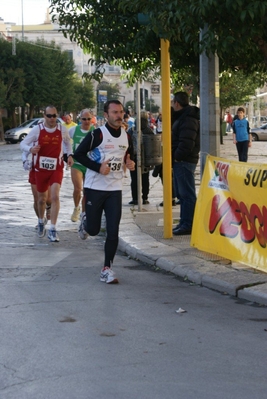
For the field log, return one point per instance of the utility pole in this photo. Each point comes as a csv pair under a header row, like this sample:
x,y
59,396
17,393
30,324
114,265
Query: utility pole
x,y
209,105
22,21
139,149
13,45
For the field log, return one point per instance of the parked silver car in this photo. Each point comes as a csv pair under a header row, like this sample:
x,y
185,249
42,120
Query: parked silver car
x,y
259,133
19,133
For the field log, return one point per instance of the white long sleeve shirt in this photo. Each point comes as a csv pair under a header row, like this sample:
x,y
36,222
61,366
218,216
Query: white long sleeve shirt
x,y
33,137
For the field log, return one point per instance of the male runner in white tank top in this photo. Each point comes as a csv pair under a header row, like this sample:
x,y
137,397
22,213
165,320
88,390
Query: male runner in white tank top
x,y
104,152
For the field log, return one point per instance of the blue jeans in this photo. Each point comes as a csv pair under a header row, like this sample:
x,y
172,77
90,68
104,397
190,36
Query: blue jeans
x,y
184,179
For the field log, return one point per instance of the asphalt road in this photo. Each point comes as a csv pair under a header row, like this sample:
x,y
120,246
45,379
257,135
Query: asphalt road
x,y
66,335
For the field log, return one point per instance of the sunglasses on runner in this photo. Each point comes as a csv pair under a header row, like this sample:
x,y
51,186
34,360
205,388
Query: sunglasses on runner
x,y
51,115
86,119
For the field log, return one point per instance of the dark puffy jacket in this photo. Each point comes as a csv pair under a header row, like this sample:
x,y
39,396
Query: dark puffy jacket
x,y
185,135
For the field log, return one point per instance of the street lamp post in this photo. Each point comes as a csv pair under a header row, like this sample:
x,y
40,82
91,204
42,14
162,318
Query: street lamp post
x,y
22,22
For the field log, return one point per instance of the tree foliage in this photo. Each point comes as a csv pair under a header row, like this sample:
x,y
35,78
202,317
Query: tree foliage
x,y
84,93
39,74
110,31
12,87
237,88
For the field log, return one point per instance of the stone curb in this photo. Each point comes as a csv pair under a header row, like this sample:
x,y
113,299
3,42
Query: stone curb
x,y
249,285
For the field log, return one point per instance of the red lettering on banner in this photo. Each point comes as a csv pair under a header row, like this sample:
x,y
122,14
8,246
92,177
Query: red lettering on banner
x,y
233,218
217,213
223,169
247,231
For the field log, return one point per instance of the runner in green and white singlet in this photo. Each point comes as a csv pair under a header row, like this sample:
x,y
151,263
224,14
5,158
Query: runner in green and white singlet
x,y
78,133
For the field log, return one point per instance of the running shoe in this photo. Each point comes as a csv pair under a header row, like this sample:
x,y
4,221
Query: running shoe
x,y
82,214
52,235
107,275
41,230
81,230
45,222
76,214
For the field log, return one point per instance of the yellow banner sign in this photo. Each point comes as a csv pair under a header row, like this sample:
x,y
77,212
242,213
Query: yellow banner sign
x,y
231,212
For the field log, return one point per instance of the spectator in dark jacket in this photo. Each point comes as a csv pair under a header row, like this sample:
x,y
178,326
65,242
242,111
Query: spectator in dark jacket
x,y
185,156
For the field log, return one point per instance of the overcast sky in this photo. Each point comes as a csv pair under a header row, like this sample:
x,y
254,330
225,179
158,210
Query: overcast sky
x,y
34,11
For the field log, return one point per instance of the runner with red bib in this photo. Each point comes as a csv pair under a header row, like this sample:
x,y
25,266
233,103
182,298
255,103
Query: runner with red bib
x,y
46,141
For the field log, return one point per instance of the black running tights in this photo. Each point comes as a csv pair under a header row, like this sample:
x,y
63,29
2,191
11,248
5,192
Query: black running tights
x,y
97,201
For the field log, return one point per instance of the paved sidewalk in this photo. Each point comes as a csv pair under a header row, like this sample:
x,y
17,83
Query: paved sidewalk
x,y
141,237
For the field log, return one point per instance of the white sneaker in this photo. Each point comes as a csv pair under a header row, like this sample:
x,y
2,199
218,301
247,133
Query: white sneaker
x,y
53,236
75,215
81,230
107,275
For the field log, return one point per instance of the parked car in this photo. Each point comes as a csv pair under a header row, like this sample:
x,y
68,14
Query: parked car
x,y
19,133
258,121
259,133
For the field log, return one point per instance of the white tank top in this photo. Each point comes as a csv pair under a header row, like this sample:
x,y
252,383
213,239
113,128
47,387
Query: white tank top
x,y
111,148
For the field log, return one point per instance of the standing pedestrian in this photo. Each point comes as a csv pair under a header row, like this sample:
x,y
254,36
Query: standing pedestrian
x,y
158,171
104,152
130,121
159,124
185,153
48,139
77,134
145,130
229,121
241,135
125,122
151,121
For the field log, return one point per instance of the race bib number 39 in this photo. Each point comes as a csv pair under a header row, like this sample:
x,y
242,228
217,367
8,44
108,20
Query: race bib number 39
x,y
115,166
48,163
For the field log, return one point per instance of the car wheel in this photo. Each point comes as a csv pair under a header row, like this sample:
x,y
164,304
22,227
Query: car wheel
x,y
254,137
22,136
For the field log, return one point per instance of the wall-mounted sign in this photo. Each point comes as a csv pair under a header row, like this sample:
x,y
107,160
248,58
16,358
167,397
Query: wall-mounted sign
x,y
155,89
102,96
